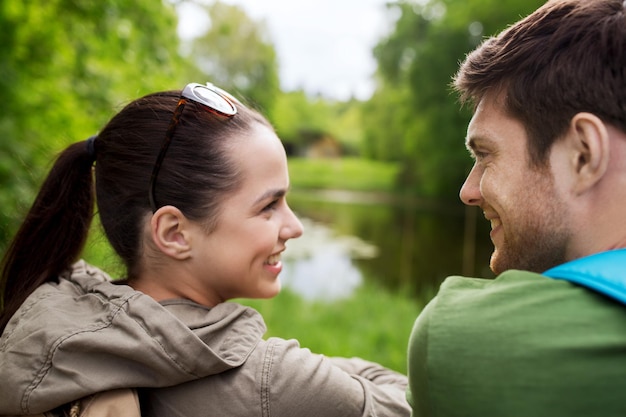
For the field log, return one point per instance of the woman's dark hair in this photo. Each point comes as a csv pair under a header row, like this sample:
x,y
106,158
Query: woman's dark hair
x,y
194,176
569,56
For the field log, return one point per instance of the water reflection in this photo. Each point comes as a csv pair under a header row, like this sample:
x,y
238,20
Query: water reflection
x,y
319,265
405,246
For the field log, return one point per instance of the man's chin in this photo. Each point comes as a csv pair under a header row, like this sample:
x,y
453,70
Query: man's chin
x,y
496,263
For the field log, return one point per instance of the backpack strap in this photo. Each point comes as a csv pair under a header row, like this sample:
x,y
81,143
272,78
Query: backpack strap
x,y
603,272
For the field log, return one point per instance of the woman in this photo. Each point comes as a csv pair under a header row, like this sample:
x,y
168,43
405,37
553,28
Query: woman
x,y
191,190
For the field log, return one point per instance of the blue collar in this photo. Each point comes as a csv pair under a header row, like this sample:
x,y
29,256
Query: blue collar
x,y
604,272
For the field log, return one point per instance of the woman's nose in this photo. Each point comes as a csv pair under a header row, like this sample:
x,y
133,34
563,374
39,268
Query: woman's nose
x,y
293,226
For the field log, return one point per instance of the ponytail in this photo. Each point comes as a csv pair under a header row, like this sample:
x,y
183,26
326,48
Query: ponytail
x,y
54,231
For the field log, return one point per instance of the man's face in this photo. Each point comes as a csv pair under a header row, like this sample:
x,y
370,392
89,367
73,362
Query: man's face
x,y
527,215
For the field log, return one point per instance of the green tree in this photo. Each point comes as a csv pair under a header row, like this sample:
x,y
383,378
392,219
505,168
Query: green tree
x,y
386,120
297,116
65,67
414,117
237,54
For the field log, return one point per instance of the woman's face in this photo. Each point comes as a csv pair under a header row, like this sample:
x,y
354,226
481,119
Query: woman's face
x,y
240,257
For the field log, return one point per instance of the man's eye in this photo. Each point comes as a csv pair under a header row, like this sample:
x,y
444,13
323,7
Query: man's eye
x,y
478,155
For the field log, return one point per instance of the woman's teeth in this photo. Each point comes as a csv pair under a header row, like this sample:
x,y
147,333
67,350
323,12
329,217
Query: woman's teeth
x,y
273,260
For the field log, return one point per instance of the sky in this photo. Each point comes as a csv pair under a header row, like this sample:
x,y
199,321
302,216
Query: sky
x,y
323,46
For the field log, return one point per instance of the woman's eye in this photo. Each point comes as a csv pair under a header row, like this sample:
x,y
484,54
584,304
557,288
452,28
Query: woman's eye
x,y
270,206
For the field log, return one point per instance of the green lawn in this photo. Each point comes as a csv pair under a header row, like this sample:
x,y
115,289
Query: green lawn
x,y
372,324
353,174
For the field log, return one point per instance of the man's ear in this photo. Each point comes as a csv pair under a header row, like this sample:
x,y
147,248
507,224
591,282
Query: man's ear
x,y
171,233
590,142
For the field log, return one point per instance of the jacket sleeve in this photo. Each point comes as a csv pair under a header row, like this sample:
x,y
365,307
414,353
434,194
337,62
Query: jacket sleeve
x,y
298,382
372,371
280,379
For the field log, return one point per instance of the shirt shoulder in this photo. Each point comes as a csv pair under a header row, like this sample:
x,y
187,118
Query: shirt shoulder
x,y
522,338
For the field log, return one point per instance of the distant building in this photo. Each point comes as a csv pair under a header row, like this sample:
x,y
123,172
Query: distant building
x,y
325,146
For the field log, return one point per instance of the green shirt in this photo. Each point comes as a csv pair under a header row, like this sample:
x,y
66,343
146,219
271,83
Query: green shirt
x,y
520,345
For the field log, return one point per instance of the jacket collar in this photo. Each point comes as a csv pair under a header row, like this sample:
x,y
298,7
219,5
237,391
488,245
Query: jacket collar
x,y
604,272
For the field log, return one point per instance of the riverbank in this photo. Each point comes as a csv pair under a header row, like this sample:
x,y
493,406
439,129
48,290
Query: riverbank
x,y
356,181
351,174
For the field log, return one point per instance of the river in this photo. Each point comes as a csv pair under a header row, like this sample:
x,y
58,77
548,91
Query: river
x,y
352,239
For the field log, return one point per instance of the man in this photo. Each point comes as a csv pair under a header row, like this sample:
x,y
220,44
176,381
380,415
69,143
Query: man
x,y
547,336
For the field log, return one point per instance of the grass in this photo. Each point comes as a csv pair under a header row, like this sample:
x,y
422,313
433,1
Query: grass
x,y
372,324
353,174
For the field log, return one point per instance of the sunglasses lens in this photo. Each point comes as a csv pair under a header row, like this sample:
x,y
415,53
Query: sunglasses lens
x,y
212,99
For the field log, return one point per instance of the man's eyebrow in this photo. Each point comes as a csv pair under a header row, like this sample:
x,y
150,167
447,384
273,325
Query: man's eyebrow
x,y
470,143
474,141
273,193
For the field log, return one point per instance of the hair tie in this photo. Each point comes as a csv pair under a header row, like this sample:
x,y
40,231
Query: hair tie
x,y
91,147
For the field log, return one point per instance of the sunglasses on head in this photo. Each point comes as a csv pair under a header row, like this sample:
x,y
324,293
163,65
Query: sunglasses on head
x,y
215,100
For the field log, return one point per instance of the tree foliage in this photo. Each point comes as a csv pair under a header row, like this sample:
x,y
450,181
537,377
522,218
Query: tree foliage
x,y
414,117
65,67
297,116
237,54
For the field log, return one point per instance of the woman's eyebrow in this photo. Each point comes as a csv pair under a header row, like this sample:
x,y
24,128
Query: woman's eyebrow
x,y
273,193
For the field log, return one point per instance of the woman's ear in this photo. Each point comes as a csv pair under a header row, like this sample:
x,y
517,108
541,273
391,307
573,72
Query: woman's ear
x,y
589,138
170,232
